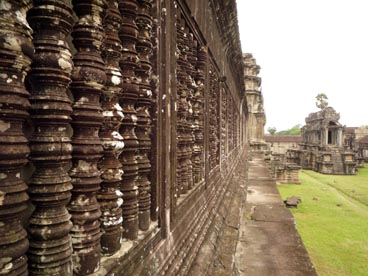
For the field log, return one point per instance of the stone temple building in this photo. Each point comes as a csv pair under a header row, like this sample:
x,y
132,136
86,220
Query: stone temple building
x,y
323,148
355,139
256,116
121,122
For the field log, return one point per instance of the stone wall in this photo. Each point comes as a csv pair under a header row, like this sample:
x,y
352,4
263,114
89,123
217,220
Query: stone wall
x,y
282,143
120,124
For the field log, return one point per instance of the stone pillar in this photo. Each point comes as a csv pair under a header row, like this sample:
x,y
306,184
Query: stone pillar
x,y
198,110
182,111
16,51
192,86
88,81
214,118
49,226
129,64
155,87
339,137
110,196
143,105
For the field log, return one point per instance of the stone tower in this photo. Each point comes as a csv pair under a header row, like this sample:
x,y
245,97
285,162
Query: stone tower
x,y
256,115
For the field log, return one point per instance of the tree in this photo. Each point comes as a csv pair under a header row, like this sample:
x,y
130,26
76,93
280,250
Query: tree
x,y
321,102
295,130
271,130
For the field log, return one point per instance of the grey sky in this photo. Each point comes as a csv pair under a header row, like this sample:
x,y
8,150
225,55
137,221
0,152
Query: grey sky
x,y
305,48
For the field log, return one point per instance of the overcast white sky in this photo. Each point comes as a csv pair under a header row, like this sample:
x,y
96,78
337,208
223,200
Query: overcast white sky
x,y
306,47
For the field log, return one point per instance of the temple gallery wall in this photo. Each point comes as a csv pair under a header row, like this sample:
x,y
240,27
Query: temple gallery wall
x,y
120,125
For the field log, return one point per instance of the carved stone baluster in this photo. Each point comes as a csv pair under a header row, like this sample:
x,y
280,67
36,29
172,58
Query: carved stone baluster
x,y
182,110
153,154
143,129
188,130
128,64
16,50
192,87
88,82
224,121
49,226
230,124
198,115
187,138
110,196
214,150
227,119
212,114
202,60
187,143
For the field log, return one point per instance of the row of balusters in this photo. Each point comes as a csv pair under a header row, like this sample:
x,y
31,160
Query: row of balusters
x,y
104,93
214,117
191,60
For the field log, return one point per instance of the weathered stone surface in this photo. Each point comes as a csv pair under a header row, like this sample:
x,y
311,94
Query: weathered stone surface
x,y
269,243
183,129
16,53
143,105
49,226
256,115
183,109
154,110
322,148
129,63
292,202
110,196
198,115
88,79
214,118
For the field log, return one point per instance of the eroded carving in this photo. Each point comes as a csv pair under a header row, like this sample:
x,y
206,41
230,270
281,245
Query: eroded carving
x,y
16,50
88,77
214,118
182,111
143,105
110,196
49,226
128,64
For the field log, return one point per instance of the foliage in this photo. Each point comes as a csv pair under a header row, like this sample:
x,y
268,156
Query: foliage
x,y
271,130
332,220
295,130
321,100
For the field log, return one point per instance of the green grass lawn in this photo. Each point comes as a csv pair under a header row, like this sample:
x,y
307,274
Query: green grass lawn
x,y
333,221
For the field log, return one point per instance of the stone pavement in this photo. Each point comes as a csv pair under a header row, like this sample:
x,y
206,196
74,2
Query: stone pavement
x,y
253,234
268,242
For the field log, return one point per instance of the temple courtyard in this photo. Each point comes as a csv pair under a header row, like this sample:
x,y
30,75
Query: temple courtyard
x,y
332,220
